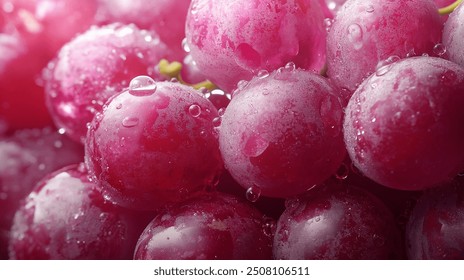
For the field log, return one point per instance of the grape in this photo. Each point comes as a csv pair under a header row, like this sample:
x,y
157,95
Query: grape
x,y
365,33
154,144
434,230
164,17
401,125
26,157
233,40
94,66
453,33
214,226
66,217
281,133
336,221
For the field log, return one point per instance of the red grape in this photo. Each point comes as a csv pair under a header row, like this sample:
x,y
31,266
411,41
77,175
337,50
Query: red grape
x,y
66,217
154,144
401,125
336,221
281,133
233,40
94,66
434,230
214,226
26,157
367,32
453,34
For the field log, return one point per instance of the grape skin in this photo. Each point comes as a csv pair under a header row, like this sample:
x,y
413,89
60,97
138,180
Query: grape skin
x,y
400,127
453,33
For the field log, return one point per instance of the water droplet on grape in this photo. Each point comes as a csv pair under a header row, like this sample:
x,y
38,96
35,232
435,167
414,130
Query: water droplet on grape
x,y
185,45
439,49
142,86
290,66
385,65
217,121
195,110
242,84
328,24
119,106
370,9
61,131
269,226
221,111
253,193
355,36
263,74
130,121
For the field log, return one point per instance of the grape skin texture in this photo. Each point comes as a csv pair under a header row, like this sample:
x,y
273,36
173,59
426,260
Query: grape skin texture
x,y
66,217
434,230
94,66
150,150
215,226
336,221
232,40
401,127
366,32
453,33
288,137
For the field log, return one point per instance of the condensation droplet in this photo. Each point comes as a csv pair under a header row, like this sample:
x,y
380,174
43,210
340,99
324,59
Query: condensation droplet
x,y
130,121
61,131
263,74
221,111
195,110
355,36
119,106
342,172
290,66
217,121
385,65
439,49
370,9
242,84
253,193
328,24
142,86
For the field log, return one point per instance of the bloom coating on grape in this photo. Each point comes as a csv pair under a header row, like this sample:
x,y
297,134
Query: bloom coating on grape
x,y
365,33
434,230
402,124
336,222
155,147
232,40
453,35
215,226
94,66
66,217
282,133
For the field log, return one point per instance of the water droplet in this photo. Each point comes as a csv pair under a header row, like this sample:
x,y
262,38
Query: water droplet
x,y
342,172
61,131
195,110
253,193
263,74
142,86
185,45
370,9
221,111
269,226
242,84
355,36
290,66
317,219
119,106
328,24
130,121
385,65
217,121
439,49
58,144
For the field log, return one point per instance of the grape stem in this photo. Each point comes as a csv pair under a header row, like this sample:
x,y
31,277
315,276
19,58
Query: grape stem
x,y
173,70
449,9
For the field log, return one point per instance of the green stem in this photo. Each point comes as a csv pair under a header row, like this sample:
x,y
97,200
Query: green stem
x,y
449,9
173,70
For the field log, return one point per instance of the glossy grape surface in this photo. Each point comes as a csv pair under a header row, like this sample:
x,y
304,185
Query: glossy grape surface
x,y
453,33
154,145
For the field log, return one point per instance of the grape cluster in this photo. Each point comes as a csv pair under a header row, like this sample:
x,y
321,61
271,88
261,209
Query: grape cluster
x,y
231,129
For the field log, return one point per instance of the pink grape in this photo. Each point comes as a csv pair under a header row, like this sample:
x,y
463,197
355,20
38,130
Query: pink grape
x,y
214,226
67,217
336,221
282,132
401,124
365,33
453,33
233,40
154,144
434,231
94,66
164,17
26,157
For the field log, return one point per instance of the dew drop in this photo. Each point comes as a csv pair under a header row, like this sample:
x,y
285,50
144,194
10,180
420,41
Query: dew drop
x,y
142,86
269,226
58,144
263,74
253,193
342,172
185,45
439,49
61,131
370,9
242,84
355,36
221,111
217,121
130,121
195,110
290,66
385,65
119,106
328,24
